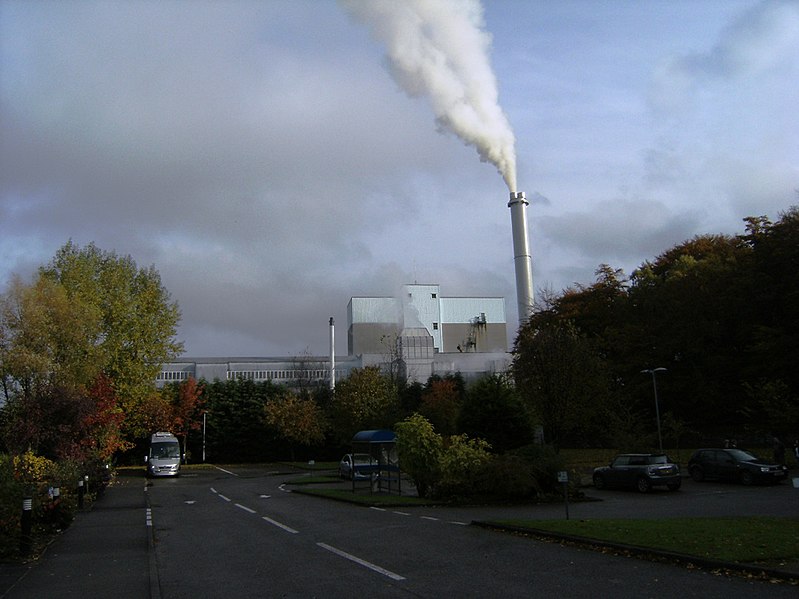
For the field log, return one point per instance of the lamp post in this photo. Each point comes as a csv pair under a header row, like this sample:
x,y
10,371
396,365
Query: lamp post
x,y
652,371
204,415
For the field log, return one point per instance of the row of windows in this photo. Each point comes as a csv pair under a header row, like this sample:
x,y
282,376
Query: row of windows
x,y
268,375
173,375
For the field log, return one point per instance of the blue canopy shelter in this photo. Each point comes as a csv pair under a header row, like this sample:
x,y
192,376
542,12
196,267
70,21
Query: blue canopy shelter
x,y
380,445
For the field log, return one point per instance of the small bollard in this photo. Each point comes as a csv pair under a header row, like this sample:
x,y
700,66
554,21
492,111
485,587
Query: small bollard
x,y
25,539
80,494
563,477
56,513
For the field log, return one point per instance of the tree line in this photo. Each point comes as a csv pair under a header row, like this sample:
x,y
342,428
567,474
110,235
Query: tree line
x,y
720,313
81,346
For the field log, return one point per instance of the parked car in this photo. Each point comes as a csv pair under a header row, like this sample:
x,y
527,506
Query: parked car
x,y
640,471
361,464
737,465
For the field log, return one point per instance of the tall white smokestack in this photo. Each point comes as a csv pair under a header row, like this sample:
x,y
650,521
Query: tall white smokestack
x,y
332,355
521,255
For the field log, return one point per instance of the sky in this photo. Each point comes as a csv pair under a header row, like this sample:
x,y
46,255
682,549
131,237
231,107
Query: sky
x,y
265,158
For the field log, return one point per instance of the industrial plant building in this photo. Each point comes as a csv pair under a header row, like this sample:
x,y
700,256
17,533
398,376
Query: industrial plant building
x,y
416,334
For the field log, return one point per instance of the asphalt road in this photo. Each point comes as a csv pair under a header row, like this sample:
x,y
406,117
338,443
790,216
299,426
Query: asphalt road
x,y
242,533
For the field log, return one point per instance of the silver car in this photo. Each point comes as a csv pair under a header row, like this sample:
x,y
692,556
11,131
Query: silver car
x,y
359,465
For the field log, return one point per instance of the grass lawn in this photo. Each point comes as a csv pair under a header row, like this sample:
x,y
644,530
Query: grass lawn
x,y
753,539
366,498
313,480
316,466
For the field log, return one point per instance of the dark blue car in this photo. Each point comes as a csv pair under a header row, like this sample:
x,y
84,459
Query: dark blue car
x,y
736,465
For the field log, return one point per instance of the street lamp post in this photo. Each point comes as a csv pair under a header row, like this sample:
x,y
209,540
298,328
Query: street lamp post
x,y
652,371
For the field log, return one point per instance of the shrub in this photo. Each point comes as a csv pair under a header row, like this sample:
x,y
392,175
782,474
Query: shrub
x,y
544,464
506,477
461,462
419,449
11,494
34,477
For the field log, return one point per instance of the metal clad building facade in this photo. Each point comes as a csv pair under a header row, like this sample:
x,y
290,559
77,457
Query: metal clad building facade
x,y
287,371
430,334
456,324
474,324
371,320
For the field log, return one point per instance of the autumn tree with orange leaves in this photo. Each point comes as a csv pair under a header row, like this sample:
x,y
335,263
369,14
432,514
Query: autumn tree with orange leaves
x,y
180,407
297,419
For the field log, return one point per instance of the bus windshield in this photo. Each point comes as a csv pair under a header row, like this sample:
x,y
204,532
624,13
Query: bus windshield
x,y
164,450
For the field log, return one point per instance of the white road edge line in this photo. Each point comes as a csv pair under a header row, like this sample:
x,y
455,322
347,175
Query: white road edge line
x,y
223,497
459,523
148,518
429,518
226,471
377,509
245,508
364,563
279,525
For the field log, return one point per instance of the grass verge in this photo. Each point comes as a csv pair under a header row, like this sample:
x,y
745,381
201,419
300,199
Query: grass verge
x,y
313,480
367,499
745,540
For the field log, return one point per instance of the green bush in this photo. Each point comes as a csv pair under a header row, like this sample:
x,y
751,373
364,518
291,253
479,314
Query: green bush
x,y
12,492
544,463
419,449
460,464
458,467
35,477
506,477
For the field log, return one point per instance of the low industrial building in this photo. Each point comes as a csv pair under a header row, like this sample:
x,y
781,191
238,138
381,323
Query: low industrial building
x,y
415,335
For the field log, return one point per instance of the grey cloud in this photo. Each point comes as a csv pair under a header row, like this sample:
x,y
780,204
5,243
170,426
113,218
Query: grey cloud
x,y
764,39
261,157
619,230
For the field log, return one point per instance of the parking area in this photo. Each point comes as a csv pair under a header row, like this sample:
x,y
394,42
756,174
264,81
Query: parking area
x,y
695,499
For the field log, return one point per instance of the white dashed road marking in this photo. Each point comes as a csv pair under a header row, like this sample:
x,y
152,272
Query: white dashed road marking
x,y
362,562
279,525
226,471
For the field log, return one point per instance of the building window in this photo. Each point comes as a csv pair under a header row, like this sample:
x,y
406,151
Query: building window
x,y
173,375
435,326
433,295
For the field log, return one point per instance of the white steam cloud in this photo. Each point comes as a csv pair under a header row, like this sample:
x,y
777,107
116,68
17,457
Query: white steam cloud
x,y
439,49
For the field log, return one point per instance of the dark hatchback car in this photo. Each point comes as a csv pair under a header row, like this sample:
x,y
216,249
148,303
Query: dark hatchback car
x,y
736,465
640,471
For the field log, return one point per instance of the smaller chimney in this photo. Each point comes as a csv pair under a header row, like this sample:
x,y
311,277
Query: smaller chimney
x,y
332,355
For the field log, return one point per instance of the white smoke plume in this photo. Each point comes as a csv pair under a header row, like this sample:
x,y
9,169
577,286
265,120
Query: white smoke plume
x,y
438,48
